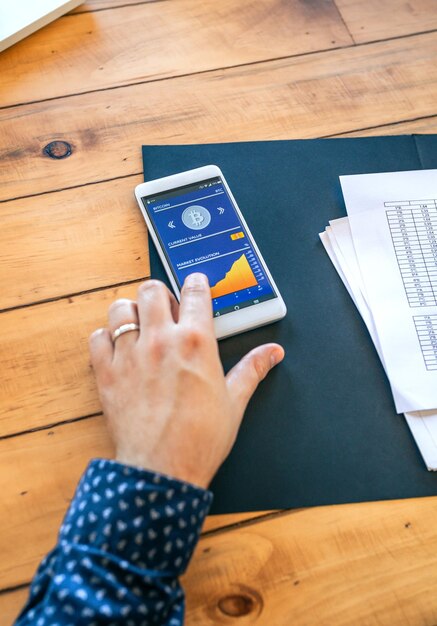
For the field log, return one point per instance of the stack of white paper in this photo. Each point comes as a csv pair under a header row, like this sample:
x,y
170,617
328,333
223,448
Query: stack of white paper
x,y
385,252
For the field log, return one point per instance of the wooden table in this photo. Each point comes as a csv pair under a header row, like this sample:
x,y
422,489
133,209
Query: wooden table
x,y
77,100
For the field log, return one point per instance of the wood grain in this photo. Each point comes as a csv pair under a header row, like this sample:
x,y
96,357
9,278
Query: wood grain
x,y
71,241
363,564
46,372
161,39
11,604
322,94
381,19
47,466
370,564
98,5
421,127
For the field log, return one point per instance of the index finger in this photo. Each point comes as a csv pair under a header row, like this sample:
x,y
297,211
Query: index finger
x,y
196,306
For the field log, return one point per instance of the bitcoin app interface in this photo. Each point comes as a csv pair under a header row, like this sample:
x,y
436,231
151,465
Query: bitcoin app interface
x,y
200,231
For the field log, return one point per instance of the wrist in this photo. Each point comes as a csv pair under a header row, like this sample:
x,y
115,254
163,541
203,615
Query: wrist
x,y
173,470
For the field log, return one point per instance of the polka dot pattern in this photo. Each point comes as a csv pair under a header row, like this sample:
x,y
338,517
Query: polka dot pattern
x,y
128,535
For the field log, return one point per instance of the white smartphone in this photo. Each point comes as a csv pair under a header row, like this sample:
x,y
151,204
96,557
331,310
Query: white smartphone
x,y
196,226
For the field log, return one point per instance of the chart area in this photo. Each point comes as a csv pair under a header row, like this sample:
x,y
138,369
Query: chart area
x,y
240,276
236,279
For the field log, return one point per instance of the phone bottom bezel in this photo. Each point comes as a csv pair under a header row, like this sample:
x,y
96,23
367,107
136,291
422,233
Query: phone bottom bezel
x,y
250,318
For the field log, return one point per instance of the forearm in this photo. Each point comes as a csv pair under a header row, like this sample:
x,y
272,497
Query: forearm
x,y
127,537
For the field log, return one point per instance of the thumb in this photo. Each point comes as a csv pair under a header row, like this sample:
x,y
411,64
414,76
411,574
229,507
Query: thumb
x,y
244,378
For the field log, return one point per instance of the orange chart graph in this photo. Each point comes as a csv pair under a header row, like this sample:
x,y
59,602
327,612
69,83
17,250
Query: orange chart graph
x,y
240,276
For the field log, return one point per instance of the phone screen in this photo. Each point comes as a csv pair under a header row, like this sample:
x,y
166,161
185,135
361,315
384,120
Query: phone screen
x,y
200,231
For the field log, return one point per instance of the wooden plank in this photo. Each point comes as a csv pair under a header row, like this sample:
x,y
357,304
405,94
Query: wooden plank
x,y
46,373
380,19
47,466
11,604
98,5
366,21
370,564
73,241
322,94
231,520
424,126
126,45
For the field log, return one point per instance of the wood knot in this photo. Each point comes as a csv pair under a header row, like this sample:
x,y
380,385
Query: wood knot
x,y
238,601
243,601
58,150
236,605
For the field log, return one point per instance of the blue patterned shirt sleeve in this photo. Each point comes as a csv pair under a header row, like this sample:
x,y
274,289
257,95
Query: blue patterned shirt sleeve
x,y
125,540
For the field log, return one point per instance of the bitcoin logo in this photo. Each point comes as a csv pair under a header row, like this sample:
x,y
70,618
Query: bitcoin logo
x,y
196,217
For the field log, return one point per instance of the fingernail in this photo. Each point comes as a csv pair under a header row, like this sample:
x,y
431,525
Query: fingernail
x,y
98,332
197,278
275,357
150,283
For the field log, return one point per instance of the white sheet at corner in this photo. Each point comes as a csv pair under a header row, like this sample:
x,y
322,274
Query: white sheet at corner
x,y
393,219
423,426
338,243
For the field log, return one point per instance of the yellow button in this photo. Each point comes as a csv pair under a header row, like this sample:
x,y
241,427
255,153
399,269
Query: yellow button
x,y
239,235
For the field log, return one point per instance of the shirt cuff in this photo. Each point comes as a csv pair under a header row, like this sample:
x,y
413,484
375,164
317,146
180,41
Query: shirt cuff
x,y
149,520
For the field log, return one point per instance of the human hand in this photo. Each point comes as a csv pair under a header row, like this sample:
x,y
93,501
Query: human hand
x,y
168,404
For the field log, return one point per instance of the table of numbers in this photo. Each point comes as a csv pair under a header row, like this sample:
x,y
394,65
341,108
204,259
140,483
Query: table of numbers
x,y
426,328
413,227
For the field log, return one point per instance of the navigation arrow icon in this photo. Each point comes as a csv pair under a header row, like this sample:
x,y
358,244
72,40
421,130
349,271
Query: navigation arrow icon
x,y
171,224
